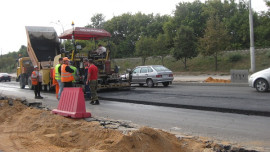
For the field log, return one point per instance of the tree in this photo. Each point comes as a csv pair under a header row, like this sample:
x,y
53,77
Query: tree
x,y
127,29
267,2
161,47
22,51
144,48
185,46
215,39
191,15
262,30
98,21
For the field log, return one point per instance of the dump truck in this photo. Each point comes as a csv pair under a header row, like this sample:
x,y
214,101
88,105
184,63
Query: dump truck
x,y
108,77
42,47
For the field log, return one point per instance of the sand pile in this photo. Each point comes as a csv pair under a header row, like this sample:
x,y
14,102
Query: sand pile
x,y
29,129
211,80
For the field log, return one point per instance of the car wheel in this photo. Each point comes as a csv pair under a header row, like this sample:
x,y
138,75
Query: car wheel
x,y
150,83
261,85
165,84
140,84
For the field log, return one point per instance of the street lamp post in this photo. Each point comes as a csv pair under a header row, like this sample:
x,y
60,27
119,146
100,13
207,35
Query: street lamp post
x,y
252,49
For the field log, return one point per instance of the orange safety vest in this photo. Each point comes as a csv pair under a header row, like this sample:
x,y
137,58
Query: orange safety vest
x,y
66,76
34,78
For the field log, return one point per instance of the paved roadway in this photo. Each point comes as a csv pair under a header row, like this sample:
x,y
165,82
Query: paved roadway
x,y
247,130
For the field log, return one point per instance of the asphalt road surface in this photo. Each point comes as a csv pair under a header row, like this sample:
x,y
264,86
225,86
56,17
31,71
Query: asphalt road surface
x,y
249,130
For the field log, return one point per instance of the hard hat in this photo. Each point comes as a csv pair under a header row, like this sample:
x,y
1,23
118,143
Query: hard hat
x,y
65,59
35,66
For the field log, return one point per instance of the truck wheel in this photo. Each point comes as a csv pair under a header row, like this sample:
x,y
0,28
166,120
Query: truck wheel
x,y
22,83
31,87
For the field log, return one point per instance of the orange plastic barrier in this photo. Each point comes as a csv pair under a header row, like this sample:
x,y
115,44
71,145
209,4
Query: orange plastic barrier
x,y
72,104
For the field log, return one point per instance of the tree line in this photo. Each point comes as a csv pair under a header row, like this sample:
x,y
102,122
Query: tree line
x,y
194,28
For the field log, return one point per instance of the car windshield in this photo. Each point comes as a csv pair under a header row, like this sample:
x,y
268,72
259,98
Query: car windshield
x,y
160,68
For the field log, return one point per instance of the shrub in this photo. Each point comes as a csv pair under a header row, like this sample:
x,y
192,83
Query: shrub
x,y
235,57
268,54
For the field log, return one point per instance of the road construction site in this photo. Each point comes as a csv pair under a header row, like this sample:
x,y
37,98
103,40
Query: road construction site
x,y
141,119
37,129
218,131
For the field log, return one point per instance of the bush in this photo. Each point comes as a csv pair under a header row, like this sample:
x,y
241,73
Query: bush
x,y
235,57
268,54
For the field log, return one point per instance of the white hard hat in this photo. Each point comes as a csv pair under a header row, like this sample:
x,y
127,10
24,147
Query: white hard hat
x,y
35,66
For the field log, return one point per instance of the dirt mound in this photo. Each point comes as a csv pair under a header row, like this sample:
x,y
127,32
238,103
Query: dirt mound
x,y
211,80
29,129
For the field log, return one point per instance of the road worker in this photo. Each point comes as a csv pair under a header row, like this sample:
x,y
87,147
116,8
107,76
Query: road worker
x,y
66,73
75,73
92,80
36,78
86,86
57,79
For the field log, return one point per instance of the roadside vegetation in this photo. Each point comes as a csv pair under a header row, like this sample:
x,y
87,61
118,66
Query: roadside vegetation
x,y
237,60
196,37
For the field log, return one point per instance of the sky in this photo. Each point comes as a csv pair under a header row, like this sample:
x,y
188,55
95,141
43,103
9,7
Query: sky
x,y
16,14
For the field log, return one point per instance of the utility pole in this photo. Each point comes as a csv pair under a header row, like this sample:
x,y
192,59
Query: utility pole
x,y
252,49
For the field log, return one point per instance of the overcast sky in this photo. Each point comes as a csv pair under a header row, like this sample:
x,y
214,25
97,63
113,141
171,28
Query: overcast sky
x,y
16,14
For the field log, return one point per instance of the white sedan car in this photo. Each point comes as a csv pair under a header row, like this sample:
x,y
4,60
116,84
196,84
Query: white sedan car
x,y
260,80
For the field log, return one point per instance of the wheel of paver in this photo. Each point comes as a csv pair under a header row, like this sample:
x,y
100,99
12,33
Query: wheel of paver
x,y
149,83
165,84
261,85
31,87
22,83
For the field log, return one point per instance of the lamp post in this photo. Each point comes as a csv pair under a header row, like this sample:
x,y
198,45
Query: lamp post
x,y
252,50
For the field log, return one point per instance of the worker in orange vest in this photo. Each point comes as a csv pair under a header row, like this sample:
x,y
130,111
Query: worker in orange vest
x,y
36,78
66,73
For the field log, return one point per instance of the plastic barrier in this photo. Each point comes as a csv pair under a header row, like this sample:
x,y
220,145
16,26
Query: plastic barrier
x,y
72,104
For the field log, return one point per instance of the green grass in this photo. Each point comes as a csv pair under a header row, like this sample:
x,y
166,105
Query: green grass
x,y
237,60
